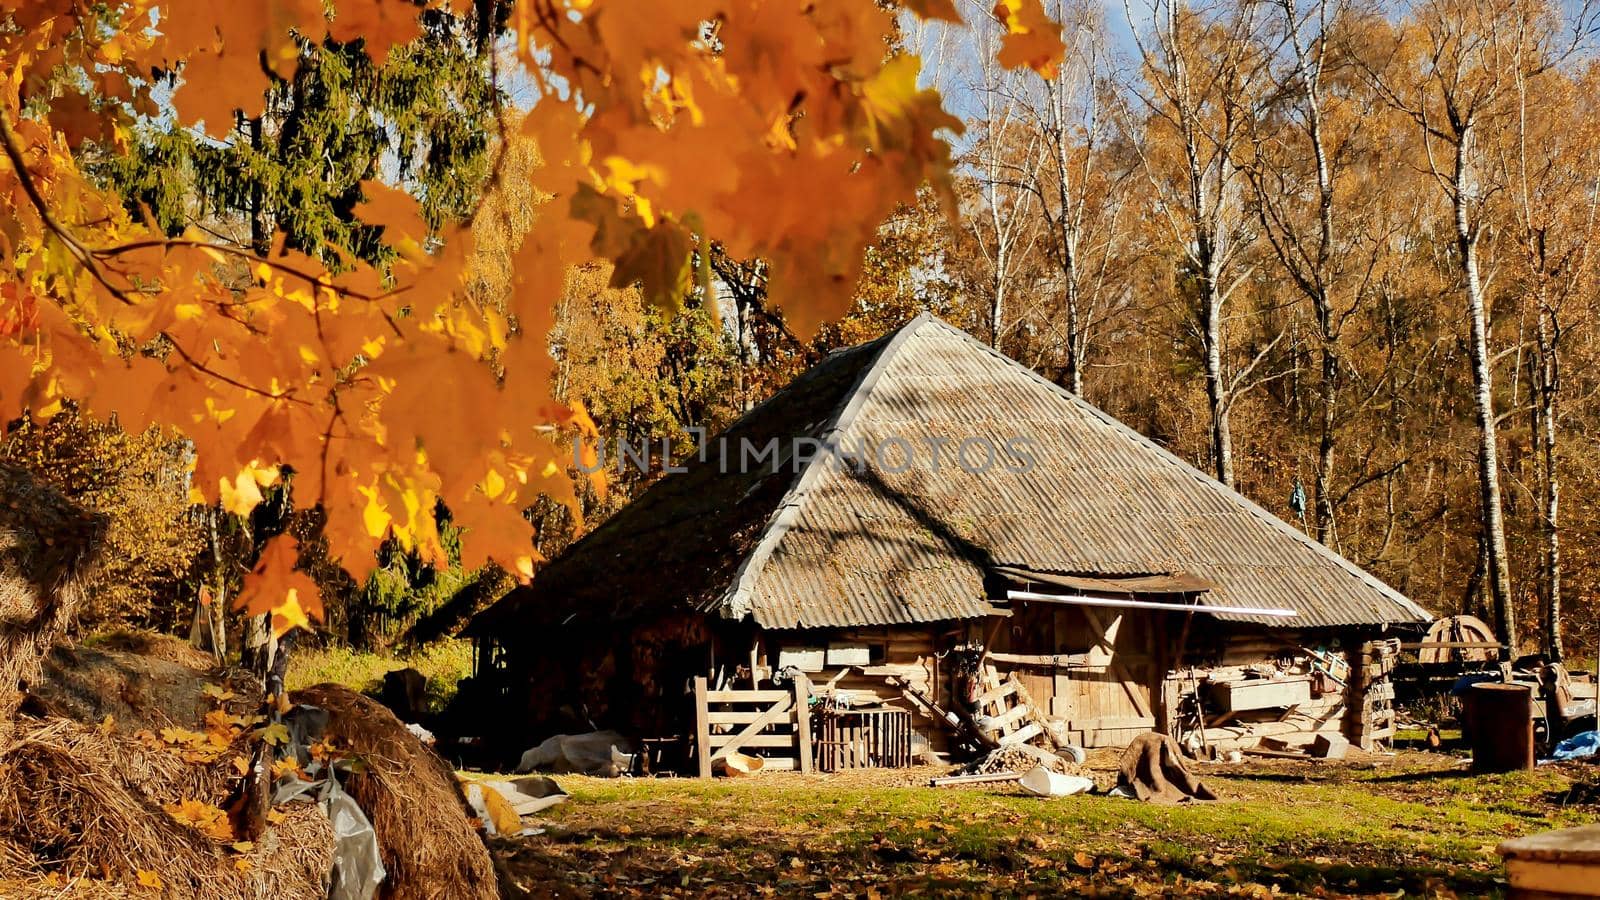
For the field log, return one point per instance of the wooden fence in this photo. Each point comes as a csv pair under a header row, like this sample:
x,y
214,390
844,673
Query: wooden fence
x,y
771,721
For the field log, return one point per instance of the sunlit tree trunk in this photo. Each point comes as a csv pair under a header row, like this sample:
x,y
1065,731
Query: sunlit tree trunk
x,y
1546,389
1498,576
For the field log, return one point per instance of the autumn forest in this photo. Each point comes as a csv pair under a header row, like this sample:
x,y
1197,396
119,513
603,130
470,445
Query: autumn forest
x,y
1334,254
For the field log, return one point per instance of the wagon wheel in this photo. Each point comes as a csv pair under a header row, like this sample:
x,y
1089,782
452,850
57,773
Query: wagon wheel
x,y
1458,629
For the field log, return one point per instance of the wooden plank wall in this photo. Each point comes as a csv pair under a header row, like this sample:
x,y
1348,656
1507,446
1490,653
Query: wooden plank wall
x,y
1103,687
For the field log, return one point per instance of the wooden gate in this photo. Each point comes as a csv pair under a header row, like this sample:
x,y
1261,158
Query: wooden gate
x,y
771,720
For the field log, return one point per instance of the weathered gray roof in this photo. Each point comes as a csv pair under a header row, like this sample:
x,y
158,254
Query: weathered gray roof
x,y
886,543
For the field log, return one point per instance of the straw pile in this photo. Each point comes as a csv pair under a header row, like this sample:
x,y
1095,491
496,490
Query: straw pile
x,y
47,551
86,783
85,803
430,845
82,805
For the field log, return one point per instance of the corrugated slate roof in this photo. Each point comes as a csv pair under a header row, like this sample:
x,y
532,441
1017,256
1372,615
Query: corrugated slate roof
x,y
886,543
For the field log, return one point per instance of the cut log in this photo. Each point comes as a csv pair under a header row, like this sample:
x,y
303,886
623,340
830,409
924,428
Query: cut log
x,y
1261,693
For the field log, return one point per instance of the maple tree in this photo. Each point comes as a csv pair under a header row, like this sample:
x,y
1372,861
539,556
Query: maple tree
x,y
384,388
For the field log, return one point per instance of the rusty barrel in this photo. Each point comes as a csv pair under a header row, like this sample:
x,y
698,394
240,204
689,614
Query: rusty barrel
x,y
1500,726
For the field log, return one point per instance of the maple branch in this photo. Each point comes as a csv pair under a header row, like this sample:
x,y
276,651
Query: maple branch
x,y
83,254
90,258
226,379
245,254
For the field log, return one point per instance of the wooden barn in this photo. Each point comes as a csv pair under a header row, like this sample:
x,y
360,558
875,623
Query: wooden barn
x,y
921,545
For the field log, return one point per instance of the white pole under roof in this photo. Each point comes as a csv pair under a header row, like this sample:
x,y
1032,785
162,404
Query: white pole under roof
x,y
1120,603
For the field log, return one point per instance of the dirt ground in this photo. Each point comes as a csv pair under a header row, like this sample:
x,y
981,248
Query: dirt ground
x,y
1411,824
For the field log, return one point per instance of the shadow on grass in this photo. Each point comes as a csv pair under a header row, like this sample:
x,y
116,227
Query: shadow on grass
x,y
603,861
1281,777
1578,795
1300,875
1420,777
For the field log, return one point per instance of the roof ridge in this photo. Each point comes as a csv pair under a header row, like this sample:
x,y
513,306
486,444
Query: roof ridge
x,y
735,602
1195,472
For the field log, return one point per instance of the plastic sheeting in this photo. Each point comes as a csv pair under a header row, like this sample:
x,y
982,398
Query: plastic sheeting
x,y
1579,746
604,753
357,865
1041,782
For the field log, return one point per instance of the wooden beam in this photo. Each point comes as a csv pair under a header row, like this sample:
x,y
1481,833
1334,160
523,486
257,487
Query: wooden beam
x,y
726,743
996,694
702,727
1016,714
802,721
1058,661
767,696
1022,735
979,778
1025,701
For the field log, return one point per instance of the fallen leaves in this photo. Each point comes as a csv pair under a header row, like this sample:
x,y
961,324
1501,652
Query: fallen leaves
x,y
203,817
276,734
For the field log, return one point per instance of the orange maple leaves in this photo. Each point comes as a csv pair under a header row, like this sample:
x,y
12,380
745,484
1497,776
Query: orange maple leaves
x,y
1031,38
381,393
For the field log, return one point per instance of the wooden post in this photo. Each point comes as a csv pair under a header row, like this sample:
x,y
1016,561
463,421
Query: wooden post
x,y
702,727
802,720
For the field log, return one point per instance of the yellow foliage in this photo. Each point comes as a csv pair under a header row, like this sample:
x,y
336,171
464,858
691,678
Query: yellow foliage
x,y
416,380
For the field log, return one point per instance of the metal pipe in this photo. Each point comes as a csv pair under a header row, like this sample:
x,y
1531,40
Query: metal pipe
x,y
1118,603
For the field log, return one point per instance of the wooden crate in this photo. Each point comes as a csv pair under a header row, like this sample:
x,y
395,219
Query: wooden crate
x,y
861,739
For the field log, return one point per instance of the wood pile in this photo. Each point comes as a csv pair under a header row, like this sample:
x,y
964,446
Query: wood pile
x,y
1286,699
1019,759
1372,687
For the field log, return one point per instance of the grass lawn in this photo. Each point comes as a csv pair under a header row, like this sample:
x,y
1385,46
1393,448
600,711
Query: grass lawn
x,y
1415,824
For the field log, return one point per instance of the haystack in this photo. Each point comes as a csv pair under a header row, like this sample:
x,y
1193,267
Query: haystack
x,y
48,548
77,804
430,846
83,807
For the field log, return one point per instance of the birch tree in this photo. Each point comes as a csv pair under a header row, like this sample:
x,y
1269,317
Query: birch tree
x,y
1454,70
1003,225
1323,182
1080,198
1552,170
1200,73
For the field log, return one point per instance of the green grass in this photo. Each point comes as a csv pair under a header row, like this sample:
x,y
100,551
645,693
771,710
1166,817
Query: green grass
x,y
1418,826
444,663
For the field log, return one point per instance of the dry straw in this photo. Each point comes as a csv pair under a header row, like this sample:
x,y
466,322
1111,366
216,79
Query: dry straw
x,y
48,548
430,847
81,806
